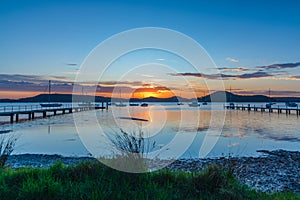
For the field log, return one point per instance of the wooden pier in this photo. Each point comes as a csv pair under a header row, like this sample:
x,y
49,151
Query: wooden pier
x,y
262,108
14,112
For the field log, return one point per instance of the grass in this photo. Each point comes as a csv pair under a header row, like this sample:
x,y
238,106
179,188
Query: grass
x,y
132,149
93,180
7,144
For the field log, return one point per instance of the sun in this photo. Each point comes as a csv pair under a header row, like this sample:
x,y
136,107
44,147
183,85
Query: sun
x,y
151,91
150,94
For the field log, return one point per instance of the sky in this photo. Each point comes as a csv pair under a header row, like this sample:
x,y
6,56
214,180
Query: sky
x,y
254,45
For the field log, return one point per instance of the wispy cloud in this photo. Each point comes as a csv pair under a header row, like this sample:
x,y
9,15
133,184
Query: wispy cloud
x,y
71,64
259,74
31,78
147,75
232,59
237,69
280,66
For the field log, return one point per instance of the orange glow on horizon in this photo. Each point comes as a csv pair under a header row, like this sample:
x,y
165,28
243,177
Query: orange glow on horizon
x,y
17,94
158,92
23,94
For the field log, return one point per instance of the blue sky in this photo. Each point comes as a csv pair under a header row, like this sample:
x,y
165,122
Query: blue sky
x,y
43,37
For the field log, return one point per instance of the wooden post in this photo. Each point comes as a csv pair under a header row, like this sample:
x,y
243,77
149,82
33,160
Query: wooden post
x,y
11,118
17,117
32,115
44,114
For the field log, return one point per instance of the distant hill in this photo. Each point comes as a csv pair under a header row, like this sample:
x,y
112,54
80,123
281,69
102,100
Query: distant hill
x,y
58,98
219,96
222,96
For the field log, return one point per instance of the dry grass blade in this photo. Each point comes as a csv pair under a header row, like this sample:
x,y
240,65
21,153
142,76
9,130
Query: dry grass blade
x,y
7,144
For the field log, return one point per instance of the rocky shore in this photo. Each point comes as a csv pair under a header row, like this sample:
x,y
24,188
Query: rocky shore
x,y
273,171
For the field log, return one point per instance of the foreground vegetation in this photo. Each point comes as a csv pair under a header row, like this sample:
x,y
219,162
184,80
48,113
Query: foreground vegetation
x,y
94,181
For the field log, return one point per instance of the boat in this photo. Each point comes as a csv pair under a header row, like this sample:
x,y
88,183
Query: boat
x,y
231,104
144,105
204,99
179,102
120,104
269,105
85,104
49,104
88,104
194,103
291,104
133,104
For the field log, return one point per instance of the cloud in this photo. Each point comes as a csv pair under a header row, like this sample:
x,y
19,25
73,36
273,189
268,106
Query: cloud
x,y
148,76
238,69
31,78
201,75
155,89
280,66
71,64
294,78
33,83
232,60
259,74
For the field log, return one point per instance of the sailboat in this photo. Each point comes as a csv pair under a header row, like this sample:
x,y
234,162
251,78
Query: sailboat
x,y
269,105
86,103
194,103
133,104
204,101
50,105
120,104
179,102
291,104
144,104
231,104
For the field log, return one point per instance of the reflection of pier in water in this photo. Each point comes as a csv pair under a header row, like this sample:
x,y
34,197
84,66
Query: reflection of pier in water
x,y
31,111
254,108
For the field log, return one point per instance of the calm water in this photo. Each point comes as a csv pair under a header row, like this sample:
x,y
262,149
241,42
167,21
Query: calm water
x,y
178,131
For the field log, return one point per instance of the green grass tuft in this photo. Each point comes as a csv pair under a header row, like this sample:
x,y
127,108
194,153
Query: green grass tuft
x,y
92,180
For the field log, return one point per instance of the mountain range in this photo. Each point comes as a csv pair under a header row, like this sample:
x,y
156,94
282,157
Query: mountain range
x,y
219,96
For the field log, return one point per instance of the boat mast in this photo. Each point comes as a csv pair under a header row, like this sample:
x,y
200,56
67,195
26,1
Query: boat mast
x,y
49,92
230,94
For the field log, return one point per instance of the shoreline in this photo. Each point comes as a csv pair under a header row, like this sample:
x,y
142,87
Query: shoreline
x,y
274,171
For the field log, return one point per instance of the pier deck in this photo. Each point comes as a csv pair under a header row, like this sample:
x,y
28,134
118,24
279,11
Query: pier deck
x,y
279,110
15,111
